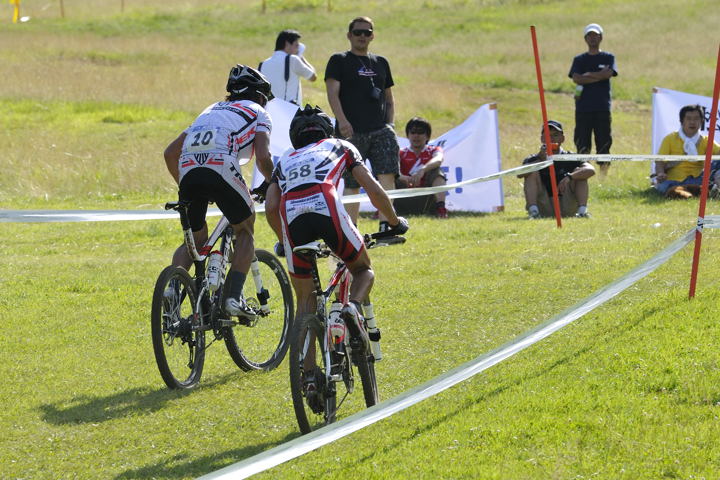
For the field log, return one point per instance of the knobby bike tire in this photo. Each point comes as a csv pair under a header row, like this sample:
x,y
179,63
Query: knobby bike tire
x,y
179,348
263,346
365,363
309,420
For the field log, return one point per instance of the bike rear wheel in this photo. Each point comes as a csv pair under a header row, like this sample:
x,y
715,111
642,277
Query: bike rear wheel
x,y
317,406
178,343
263,345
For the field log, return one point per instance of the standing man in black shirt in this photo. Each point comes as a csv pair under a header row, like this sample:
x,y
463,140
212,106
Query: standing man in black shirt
x,y
591,71
359,91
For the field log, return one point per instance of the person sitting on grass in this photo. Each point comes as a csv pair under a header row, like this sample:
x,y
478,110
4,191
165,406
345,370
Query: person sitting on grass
x,y
683,179
571,178
420,167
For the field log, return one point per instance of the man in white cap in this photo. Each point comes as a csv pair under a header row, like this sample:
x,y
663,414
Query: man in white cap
x,y
591,71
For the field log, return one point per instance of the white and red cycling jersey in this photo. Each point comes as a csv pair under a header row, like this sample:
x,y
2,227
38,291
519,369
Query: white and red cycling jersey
x,y
222,138
308,180
319,164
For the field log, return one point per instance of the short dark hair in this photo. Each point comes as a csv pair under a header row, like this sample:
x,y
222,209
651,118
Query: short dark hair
x,y
252,95
360,20
693,108
418,122
288,36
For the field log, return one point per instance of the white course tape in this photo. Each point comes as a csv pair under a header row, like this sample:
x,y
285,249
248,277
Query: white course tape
x,y
711,221
301,445
47,216
574,157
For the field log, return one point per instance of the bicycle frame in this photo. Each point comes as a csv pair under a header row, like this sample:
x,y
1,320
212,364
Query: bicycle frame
x,y
339,280
325,355
199,257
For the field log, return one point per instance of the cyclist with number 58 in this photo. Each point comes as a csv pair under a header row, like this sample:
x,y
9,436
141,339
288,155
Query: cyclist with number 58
x,y
304,184
205,161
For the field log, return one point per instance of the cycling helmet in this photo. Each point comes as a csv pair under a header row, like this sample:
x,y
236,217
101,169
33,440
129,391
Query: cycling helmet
x,y
246,79
309,124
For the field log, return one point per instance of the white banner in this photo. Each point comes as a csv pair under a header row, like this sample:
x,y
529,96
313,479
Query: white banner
x,y
472,150
666,113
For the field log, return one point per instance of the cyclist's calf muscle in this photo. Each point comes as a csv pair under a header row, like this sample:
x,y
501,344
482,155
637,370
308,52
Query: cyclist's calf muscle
x,y
363,277
181,257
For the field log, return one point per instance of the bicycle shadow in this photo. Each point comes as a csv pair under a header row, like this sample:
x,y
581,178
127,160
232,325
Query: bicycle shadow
x,y
98,409
176,467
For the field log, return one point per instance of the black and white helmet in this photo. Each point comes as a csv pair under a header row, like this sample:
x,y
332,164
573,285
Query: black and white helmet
x,y
310,124
246,79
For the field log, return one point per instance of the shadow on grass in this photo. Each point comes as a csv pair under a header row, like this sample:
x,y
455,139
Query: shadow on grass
x,y
91,409
178,467
469,402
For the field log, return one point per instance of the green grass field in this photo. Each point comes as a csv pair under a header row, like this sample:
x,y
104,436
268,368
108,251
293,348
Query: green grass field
x,y
90,101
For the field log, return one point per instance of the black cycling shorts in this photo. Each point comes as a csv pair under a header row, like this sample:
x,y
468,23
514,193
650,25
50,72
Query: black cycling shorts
x,y
203,185
310,227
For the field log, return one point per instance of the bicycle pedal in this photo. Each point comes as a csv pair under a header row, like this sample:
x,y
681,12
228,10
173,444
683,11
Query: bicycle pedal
x,y
394,240
225,322
246,322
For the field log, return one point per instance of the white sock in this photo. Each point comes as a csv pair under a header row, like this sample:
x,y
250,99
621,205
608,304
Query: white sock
x,y
582,209
533,209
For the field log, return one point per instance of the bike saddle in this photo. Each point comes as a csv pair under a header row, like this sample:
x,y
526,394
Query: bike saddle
x,y
308,248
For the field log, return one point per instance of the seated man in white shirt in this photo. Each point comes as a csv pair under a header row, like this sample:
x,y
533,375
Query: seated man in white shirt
x,y
285,67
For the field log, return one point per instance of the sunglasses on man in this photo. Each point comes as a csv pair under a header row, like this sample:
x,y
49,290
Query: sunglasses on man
x,y
362,31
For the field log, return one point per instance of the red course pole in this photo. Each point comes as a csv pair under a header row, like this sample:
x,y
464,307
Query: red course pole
x,y
705,180
546,130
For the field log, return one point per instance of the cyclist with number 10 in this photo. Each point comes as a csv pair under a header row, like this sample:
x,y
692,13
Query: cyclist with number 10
x,y
304,185
205,161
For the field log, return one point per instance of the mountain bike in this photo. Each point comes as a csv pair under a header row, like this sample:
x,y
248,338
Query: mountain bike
x,y
185,308
322,340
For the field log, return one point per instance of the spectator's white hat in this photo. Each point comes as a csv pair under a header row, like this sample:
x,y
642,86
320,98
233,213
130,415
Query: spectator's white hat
x,y
593,27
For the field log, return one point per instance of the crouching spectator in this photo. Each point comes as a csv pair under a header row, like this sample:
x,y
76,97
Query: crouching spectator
x,y
571,178
420,167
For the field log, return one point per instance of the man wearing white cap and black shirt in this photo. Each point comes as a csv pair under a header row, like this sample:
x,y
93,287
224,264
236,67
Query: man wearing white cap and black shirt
x,y
571,178
591,71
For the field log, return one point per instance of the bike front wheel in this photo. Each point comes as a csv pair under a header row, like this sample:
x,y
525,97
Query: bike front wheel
x,y
178,342
314,399
365,363
263,344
